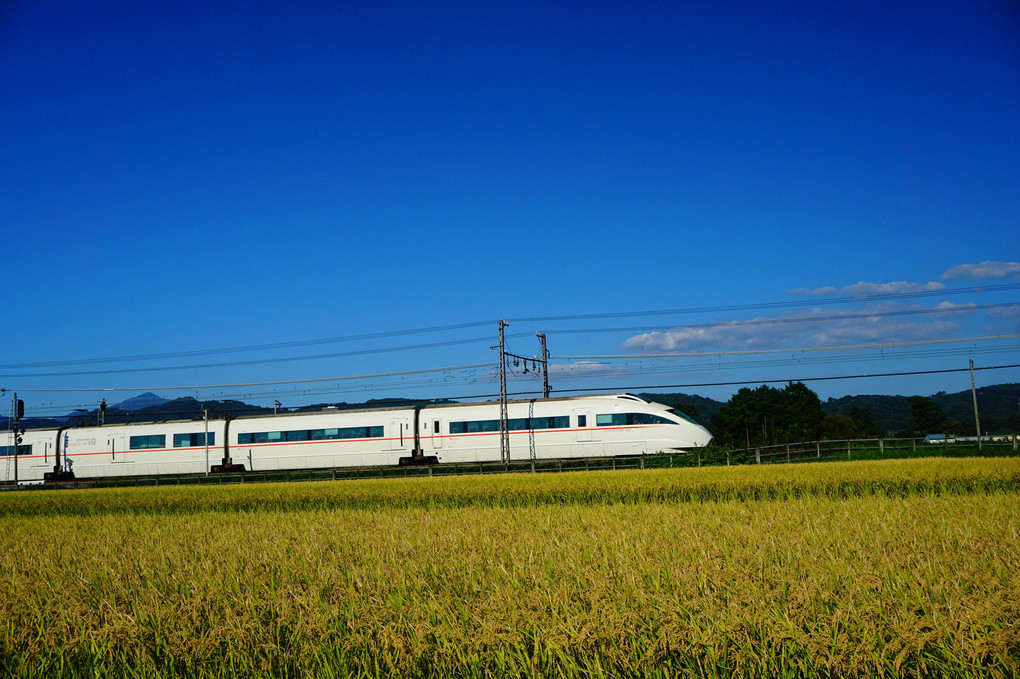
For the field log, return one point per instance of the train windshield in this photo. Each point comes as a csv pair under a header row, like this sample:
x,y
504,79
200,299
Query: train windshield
x,y
683,415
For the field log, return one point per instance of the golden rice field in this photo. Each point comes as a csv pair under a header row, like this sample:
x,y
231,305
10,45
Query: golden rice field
x,y
900,568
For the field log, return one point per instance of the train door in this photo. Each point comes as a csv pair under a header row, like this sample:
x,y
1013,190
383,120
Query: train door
x,y
41,453
400,434
585,421
437,438
115,444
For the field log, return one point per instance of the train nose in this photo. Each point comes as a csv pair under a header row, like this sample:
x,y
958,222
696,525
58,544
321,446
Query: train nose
x,y
701,437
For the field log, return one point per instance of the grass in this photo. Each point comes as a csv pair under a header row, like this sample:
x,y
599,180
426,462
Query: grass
x,y
767,482
892,568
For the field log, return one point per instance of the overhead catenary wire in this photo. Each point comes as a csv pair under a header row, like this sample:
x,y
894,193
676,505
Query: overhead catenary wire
x,y
902,373
424,379
873,297
800,356
724,324
734,383
800,319
284,359
260,384
731,383
378,381
744,352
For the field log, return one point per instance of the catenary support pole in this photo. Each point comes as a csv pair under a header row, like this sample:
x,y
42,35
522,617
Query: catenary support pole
x,y
973,393
14,438
545,365
206,415
504,424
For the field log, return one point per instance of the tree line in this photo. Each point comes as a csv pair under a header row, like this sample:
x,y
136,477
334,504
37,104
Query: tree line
x,y
768,416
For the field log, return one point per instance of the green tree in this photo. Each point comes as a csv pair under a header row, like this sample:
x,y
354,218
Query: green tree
x,y
864,422
836,427
766,416
926,416
800,416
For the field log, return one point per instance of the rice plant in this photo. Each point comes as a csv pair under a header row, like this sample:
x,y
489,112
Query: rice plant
x,y
871,569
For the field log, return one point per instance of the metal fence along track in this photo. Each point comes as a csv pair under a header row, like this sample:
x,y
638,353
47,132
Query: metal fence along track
x,y
787,453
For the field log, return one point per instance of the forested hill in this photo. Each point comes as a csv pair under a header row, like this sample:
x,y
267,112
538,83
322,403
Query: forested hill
x,y
998,406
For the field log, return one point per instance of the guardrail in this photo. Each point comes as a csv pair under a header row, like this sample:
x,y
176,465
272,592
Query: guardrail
x,y
785,453
874,449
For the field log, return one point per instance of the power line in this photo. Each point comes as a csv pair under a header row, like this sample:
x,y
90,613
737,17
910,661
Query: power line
x,y
254,347
262,384
801,319
801,379
778,305
545,319
787,351
731,324
438,388
285,359
632,388
794,356
603,370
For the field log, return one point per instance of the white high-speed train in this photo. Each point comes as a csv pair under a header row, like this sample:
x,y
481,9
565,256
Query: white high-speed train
x,y
584,426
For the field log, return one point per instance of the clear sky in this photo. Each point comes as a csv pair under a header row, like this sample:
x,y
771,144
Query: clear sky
x,y
184,177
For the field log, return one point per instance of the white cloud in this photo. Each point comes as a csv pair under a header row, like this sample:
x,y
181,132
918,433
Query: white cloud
x,y
776,332
579,368
954,305
862,288
865,288
1007,312
983,270
827,290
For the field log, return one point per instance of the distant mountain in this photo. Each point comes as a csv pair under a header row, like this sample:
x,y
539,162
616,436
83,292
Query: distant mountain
x,y
998,408
146,400
891,413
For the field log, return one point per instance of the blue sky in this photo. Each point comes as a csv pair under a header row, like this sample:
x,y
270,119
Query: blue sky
x,y
187,177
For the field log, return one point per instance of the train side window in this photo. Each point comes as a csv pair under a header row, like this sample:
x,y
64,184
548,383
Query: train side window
x,y
435,426
582,420
192,440
611,420
144,442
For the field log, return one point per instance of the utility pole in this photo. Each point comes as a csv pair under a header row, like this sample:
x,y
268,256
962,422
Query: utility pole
x,y
545,365
19,411
504,423
973,393
205,414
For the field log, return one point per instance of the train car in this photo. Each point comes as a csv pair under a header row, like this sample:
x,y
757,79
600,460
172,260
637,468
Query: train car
x,y
175,447
574,427
336,438
587,426
35,455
